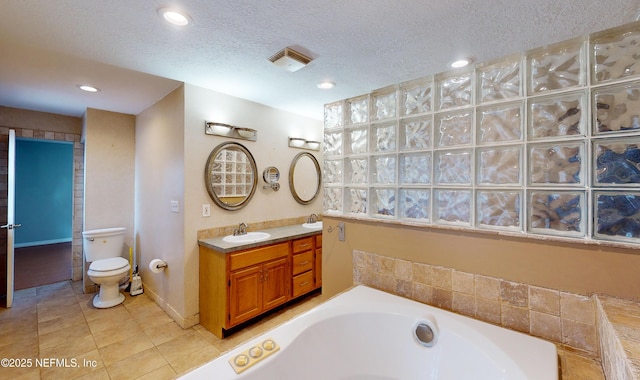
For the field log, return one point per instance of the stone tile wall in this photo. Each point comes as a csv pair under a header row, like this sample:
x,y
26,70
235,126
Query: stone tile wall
x,y
619,330
560,317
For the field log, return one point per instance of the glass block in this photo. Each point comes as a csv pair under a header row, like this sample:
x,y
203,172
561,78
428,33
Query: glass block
x,y
332,200
557,116
617,162
416,97
556,67
499,165
617,215
498,209
356,201
384,103
415,133
415,204
616,108
557,212
383,169
500,80
332,173
453,167
357,170
499,123
415,168
333,116
455,90
383,202
383,137
454,128
358,110
357,141
559,163
452,206
615,54
332,143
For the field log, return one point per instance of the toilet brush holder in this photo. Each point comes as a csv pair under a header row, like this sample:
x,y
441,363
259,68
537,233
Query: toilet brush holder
x,y
136,284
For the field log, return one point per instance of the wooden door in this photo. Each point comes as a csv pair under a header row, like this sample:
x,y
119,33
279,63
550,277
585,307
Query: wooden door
x,y
276,283
245,294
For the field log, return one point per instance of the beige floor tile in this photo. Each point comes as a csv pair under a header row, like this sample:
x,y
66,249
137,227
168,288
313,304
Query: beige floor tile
x,y
162,373
114,331
207,335
20,373
234,340
85,364
20,326
186,362
151,319
98,374
73,347
183,345
137,365
125,348
24,349
109,314
17,338
64,335
163,333
58,323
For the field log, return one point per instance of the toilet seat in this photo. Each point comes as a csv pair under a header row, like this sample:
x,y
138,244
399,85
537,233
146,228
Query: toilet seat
x,y
108,267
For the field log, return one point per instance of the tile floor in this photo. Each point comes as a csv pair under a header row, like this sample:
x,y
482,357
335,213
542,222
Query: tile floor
x,y
134,340
138,340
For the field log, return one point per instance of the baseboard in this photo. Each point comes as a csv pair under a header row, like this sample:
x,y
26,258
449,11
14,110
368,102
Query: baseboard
x,y
184,322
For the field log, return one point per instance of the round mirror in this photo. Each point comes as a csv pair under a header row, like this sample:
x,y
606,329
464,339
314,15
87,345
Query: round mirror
x,y
230,175
271,175
304,178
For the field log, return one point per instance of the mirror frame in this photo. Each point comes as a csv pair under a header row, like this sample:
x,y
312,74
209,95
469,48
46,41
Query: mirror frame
x,y
208,176
292,169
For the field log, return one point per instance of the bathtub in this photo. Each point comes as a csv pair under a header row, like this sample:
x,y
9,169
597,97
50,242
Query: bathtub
x,y
365,333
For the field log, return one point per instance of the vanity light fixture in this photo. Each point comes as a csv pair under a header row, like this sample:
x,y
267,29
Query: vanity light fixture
x,y
298,142
88,88
226,130
463,62
174,16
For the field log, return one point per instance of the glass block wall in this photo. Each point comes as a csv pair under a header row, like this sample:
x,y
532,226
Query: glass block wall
x,y
541,143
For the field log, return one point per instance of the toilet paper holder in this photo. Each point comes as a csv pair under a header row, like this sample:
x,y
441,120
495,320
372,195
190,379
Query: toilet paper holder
x,y
157,265
161,265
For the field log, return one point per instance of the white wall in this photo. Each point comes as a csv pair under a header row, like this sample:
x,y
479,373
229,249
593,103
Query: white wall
x,y
109,140
171,152
159,180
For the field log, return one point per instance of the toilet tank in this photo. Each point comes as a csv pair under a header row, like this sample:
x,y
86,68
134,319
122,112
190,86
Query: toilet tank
x,y
103,243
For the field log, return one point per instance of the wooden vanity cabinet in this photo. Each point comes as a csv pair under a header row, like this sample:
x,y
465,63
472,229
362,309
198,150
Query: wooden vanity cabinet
x,y
236,287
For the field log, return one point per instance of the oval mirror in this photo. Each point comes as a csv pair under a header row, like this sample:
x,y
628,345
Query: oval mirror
x,y
230,175
304,178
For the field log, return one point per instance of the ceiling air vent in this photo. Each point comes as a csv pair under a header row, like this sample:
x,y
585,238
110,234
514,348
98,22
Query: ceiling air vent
x,y
290,59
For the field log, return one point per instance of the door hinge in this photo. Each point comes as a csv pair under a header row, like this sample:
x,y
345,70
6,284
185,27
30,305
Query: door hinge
x,y
229,285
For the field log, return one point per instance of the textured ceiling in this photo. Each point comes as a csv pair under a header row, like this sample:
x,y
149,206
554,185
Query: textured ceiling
x,y
124,48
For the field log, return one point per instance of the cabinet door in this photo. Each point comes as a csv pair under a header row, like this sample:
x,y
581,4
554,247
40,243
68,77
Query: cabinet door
x,y
276,283
245,294
318,268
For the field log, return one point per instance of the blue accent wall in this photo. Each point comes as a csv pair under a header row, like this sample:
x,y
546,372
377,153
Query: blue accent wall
x,y
44,192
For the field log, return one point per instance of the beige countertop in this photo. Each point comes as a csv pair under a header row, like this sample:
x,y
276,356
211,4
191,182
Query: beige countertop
x,y
278,234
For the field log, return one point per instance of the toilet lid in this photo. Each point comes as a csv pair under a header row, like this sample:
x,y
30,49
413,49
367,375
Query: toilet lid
x,y
104,265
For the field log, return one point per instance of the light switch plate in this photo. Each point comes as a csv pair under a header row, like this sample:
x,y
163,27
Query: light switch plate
x,y
206,209
175,206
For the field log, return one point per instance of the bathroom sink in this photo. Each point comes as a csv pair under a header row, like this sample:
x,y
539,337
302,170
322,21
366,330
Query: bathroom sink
x,y
249,237
316,225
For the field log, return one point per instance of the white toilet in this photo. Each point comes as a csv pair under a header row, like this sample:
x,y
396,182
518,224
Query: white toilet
x,y
103,248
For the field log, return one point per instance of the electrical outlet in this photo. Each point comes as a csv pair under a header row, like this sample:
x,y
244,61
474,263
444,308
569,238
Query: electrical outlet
x,y
206,209
175,206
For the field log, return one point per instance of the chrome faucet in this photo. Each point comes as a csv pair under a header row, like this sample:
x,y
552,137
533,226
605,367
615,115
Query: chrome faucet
x,y
242,229
312,218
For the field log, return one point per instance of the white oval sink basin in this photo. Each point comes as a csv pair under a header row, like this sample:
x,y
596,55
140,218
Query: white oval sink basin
x,y
249,237
312,225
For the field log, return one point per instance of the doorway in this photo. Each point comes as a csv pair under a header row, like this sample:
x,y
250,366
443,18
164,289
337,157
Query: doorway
x,y
44,208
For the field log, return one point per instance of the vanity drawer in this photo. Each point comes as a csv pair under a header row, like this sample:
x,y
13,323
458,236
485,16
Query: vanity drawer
x,y
303,283
257,256
303,244
302,262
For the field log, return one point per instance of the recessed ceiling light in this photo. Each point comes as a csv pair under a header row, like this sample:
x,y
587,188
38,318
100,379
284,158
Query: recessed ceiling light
x,y
326,85
461,63
87,88
175,16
